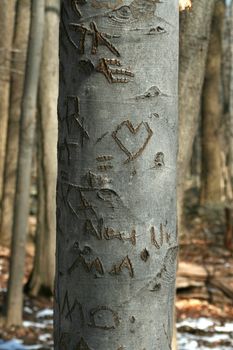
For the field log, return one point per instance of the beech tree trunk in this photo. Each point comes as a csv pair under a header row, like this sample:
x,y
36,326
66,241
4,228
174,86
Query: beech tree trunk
x,y
42,279
194,38
116,202
212,113
7,20
26,142
20,43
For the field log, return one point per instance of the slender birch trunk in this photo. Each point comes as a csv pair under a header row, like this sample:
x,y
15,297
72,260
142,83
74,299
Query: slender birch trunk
x,y
116,201
194,39
42,279
18,64
26,143
7,20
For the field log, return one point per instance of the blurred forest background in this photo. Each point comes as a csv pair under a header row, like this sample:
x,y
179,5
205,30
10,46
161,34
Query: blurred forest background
x,y
29,76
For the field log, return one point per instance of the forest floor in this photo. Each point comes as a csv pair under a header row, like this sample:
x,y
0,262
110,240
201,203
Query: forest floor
x,y
204,304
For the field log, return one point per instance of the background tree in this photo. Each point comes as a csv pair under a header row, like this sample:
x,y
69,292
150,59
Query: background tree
x,y
27,129
20,43
42,279
116,214
194,39
7,14
212,112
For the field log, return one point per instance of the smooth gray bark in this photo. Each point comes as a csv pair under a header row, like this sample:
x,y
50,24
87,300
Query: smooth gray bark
x,y
20,44
42,279
26,142
194,38
116,198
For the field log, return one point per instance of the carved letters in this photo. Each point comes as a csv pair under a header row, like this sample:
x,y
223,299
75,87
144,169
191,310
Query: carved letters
x,y
103,317
68,310
124,264
94,265
112,74
82,345
164,236
98,38
74,118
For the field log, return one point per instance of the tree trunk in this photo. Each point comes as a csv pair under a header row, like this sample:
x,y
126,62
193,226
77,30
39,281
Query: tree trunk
x,y
194,38
7,20
212,112
27,128
230,130
42,278
16,91
116,205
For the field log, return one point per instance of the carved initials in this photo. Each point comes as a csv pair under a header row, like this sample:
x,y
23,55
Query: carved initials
x,y
75,6
110,233
164,236
125,264
71,309
100,318
73,113
82,345
98,38
112,74
89,266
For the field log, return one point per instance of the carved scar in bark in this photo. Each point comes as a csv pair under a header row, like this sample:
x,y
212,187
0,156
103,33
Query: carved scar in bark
x,y
101,317
73,111
71,309
111,74
165,237
127,124
89,266
75,6
106,4
82,345
125,264
64,341
98,38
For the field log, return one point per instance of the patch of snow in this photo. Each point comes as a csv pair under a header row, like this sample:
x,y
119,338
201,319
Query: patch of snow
x,y
45,313
45,337
227,328
33,324
28,310
201,323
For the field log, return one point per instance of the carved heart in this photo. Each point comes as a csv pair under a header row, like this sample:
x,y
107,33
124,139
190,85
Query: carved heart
x,y
135,132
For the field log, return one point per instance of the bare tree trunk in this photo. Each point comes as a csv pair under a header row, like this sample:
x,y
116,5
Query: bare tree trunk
x,y
116,205
42,279
211,190
230,133
16,91
194,38
27,129
7,20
